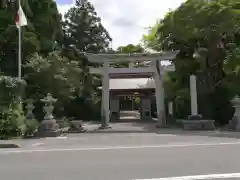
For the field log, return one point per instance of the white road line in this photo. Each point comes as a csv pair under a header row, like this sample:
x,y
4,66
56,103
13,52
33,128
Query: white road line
x,y
118,147
62,137
54,138
37,144
199,177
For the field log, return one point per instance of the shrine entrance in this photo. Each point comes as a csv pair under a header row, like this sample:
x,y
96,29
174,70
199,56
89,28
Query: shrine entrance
x,y
127,102
131,104
112,88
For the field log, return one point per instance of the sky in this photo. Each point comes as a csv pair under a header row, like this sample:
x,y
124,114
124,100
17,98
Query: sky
x,y
127,20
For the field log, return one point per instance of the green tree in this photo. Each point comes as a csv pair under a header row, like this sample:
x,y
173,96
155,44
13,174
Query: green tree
x,y
232,66
53,74
128,49
53,58
83,32
40,35
206,27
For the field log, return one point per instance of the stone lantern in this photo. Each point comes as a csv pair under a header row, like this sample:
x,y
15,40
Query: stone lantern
x,y
48,126
235,122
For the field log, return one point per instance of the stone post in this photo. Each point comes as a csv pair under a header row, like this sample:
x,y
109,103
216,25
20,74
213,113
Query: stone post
x,y
114,108
194,103
235,122
48,126
195,121
146,108
193,94
170,108
170,113
131,65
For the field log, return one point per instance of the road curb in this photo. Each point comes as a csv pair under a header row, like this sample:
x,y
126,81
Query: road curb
x,y
9,146
224,134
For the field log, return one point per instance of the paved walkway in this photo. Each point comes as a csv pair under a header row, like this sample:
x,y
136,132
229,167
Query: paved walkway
x,y
129,115
150,127
131,126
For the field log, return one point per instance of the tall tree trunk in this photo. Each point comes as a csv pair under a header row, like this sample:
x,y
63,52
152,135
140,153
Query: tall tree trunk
x,y
214,65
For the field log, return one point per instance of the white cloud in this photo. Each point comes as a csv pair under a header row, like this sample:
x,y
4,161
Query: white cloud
x,y
128,20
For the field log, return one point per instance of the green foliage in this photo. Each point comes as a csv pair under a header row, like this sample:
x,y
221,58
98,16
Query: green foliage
x,y
83,29
194,26
12,123
41,35
83,32
52,73
150,39
53,62
11,89
232,66
128,49
12,119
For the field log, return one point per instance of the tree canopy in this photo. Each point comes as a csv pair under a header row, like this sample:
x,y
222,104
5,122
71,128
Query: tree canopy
x,y
130,48
207,35
52,54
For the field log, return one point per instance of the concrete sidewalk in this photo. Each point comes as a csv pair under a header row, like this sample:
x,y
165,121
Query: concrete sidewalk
x,y
131,128
150,127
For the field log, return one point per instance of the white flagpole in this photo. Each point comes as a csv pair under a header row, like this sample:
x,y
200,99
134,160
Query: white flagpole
x,y
19,47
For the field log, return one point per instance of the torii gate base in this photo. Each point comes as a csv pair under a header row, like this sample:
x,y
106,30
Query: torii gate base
x,y
154,70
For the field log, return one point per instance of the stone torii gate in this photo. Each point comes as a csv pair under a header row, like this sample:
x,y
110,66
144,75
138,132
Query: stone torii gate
x,y
155,70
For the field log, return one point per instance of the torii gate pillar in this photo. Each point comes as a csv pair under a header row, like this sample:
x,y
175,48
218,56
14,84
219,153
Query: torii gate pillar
x,y
159,91
105,96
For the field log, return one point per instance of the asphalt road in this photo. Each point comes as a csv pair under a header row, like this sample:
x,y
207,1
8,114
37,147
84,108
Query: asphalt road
x,y
121,157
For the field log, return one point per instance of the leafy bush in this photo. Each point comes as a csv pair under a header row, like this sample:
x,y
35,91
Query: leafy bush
x,y
12,119
12,123
10,90
53,74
